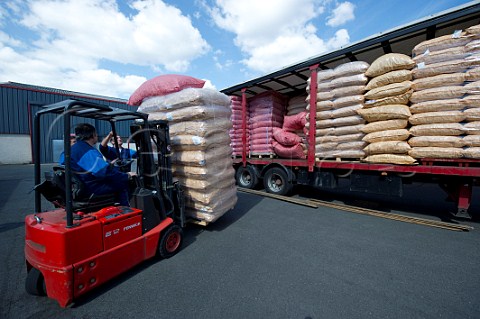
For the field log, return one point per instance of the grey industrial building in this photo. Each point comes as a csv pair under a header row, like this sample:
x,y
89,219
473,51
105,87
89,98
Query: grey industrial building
x,y
18,104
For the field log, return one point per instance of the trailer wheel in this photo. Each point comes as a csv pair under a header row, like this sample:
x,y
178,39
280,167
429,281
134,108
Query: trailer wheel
x,y
170,242
276,181
35,283
246,177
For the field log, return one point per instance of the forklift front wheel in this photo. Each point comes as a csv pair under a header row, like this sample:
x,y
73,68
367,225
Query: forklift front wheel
x,y
35,283
170,242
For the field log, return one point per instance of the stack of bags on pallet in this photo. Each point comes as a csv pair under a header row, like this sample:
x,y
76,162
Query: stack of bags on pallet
x,y
324,108
236,133
266,112
199,122
472,110
386,109
289,141
472,97
339,97
444,97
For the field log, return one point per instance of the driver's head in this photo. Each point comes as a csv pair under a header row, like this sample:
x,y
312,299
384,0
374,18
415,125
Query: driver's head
x,y
119,141
85,132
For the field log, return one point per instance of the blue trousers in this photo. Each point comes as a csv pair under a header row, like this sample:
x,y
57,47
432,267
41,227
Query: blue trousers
x,y
120,191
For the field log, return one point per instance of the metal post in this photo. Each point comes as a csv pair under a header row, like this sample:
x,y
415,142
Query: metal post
x,y
312,120
244,128
37,160
68,170
115,142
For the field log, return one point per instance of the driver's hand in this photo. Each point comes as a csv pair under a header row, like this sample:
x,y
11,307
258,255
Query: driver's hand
x,y
131,174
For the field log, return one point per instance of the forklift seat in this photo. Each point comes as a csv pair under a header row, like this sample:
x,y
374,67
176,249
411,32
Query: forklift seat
x,y
53,189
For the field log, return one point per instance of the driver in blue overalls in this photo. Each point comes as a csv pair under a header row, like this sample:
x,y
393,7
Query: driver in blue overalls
x,y
98,176
111,154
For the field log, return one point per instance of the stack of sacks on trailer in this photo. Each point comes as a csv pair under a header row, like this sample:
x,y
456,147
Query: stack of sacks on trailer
x,y
386,109
289,141
266,112
444,97
324,105
236,133
297,104
199,121
472,98
339,97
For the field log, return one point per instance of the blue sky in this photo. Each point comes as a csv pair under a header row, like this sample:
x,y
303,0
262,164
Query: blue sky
x,y
110,47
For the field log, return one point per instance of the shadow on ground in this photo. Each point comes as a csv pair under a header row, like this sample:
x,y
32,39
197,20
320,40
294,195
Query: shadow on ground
x,y
422,200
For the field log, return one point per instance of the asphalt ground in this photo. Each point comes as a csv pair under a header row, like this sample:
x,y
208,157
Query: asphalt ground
x,y
271,259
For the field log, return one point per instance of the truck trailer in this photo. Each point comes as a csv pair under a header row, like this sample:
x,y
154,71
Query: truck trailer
x,y
457,176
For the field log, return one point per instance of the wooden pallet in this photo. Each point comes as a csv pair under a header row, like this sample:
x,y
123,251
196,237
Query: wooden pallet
x,y
197,222
261,155
337,159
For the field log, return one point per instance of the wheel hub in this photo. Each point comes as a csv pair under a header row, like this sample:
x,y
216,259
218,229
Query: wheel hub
x,y
173,241
276,182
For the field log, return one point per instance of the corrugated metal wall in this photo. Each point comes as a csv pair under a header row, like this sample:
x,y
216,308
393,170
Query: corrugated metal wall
x,y
18,105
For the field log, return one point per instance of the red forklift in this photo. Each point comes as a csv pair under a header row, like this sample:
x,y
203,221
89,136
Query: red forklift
x,y
85,241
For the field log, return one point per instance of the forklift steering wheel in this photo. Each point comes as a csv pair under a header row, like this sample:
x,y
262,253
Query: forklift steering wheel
x,y
122,163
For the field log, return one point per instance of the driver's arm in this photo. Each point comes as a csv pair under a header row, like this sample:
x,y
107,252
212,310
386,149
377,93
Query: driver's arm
x,y
107,138
106,151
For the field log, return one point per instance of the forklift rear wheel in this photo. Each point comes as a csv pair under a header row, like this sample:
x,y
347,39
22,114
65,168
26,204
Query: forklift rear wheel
x,y
246,177
35,283
170,242
276,181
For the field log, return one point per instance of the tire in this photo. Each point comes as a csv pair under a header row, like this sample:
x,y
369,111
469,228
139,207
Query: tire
x,y
246,177
35,283
276,181
170,242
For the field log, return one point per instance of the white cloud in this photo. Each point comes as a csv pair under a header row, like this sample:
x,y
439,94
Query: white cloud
x,y
8,40
284,50
256,22
340,39
273,34
209,85
341,14
221,63
106,82
73,38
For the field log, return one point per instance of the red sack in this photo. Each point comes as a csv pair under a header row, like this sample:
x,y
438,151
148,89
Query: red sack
x,y
258,140
265,131
163,85
266,117
263,148
295,151
285,138
295,122
258,124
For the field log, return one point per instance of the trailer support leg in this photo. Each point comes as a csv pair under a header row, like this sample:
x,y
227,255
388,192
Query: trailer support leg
x,y
461,194
464,199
